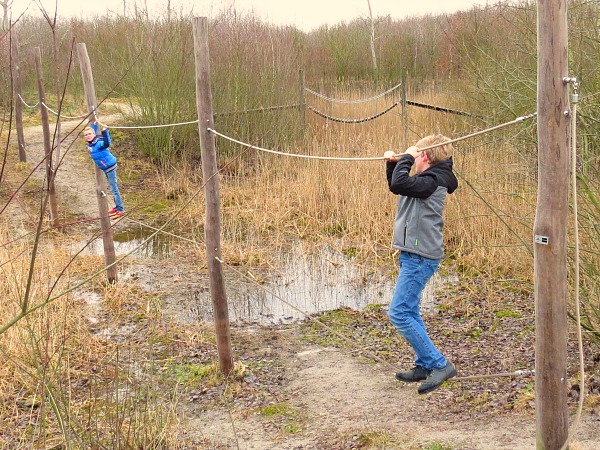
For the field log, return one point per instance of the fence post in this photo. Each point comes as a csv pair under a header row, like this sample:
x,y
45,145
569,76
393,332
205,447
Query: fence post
x,y
302,100
550,227
101,188
51,189
210,175
404,113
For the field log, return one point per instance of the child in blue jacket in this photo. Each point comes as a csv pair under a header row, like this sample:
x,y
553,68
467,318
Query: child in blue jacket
x,y
99,149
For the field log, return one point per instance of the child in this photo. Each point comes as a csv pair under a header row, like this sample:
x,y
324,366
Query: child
x,y
418,234
98,146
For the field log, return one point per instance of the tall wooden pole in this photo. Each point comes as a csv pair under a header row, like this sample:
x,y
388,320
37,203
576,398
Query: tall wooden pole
x,y
101,187
550,248
212,227
404,113
302,100
17,88
50,188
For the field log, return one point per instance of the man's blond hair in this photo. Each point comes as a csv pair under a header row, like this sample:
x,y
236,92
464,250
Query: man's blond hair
x,y
436,154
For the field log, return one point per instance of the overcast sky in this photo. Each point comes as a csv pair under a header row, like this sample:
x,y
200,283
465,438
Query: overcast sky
x,y
305,14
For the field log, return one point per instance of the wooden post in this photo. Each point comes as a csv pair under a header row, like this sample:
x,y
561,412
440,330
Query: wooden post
x,y
404,114
550,228
50,188
101,186
212,227
302,100
17,88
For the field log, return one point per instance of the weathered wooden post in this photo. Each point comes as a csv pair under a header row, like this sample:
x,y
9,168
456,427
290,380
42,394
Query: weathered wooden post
x,y
210,174
50,189
101,187
550,228
17,87
302,100
404,113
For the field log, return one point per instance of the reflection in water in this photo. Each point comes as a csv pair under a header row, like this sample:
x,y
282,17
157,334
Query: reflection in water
x,y
129,238
306,283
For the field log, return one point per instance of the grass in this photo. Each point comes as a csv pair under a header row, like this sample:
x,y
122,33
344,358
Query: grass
x,y
284,416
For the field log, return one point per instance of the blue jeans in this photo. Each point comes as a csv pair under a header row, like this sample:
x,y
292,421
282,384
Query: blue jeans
x,y
114,188
404,312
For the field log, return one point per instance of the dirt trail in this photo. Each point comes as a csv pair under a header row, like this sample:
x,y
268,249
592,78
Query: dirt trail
x,y
336,396
343,396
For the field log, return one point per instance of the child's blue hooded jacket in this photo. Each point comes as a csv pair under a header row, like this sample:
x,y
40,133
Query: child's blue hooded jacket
x,y
100,151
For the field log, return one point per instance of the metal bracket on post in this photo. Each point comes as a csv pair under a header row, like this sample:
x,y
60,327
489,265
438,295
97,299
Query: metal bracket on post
x,y
574,82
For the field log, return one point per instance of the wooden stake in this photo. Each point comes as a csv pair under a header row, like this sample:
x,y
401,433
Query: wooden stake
x,y
101,186
50,188
550,228
17,88
404,113
212,227
302,101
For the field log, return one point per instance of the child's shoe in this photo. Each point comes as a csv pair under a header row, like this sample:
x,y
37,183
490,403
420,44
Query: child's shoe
x,y
117,214
112,211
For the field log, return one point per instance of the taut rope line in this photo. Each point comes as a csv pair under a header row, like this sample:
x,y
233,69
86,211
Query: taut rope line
x,y
439,108
296,155
61,115
258,110
334,158
150,126
477,133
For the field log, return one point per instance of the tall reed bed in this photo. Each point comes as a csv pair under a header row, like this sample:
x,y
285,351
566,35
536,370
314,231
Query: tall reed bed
x,y
62,384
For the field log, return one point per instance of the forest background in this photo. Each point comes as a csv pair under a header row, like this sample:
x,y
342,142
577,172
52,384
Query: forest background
x,y
481,61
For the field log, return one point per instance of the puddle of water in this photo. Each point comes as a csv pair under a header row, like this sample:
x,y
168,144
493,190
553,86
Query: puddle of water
x,y
306,284
127,239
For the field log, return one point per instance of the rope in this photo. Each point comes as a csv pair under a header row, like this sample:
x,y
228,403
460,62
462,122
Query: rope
x,y
60,115
366,119
487,130
331,158
353,101
25,103
574,101
149,126
439,108
269,108
165,232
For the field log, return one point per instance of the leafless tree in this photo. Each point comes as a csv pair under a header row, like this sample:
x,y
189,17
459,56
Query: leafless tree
x,y
5,6
372,22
